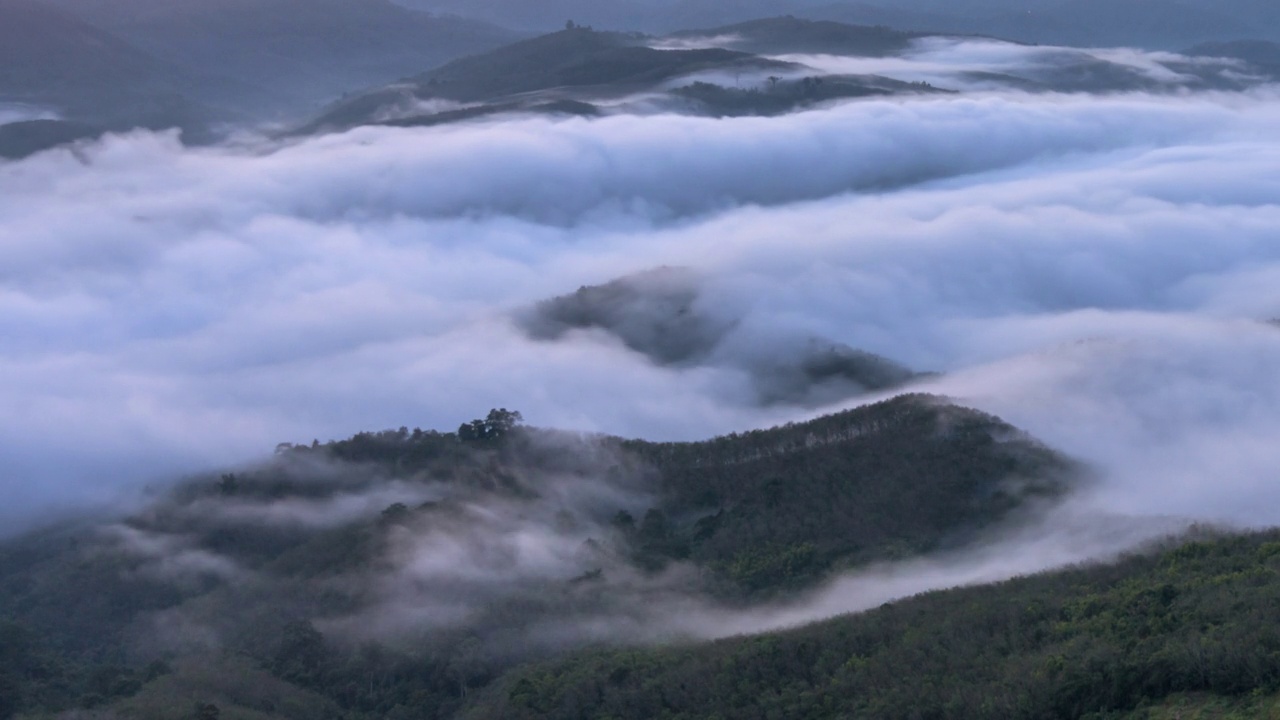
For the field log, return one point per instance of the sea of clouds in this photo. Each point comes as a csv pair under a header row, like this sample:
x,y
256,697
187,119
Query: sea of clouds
x,y
1096,269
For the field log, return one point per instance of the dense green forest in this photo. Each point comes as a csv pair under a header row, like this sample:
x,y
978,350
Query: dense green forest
x,y
310,586
1184,632
288,590
274,590
1187,630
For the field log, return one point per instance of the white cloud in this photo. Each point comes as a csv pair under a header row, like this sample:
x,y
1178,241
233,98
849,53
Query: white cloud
x,y
164,309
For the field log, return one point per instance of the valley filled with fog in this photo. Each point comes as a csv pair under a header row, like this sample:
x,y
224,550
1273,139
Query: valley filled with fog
x,y
1098,269
1026,295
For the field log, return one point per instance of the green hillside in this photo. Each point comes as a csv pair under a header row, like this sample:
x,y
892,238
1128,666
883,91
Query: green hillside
x,y
900,478
289,578
1188,632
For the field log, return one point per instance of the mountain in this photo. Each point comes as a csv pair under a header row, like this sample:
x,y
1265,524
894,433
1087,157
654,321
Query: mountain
x,y
576,64
782,507
664,314
287,55
575,57
1188,632
50,59
395,574
734,70
1160,24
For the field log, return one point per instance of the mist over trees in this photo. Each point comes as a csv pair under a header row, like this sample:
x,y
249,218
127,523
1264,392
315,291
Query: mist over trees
x,y
1146,638
318,568
921,362
1166,24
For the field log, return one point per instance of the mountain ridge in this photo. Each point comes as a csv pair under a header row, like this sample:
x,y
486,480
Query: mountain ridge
x,y
326,549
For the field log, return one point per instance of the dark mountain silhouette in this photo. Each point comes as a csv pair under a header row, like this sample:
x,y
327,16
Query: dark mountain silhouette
x,y
90,77
576,64
662,315
573,58
1164,24
287,55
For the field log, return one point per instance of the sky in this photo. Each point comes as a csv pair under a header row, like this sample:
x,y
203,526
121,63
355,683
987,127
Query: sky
x,y
1095,269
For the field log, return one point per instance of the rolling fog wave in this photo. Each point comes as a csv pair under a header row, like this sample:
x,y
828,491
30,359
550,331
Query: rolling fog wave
x,y
1093,268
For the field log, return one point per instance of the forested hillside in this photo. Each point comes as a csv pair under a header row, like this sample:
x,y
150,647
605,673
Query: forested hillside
x,y
409,569
1164,635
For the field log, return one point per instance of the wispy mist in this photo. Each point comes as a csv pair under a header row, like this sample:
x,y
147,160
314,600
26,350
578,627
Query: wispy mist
x,y
19,112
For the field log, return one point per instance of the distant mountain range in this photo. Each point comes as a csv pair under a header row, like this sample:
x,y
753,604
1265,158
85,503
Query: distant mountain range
x,y
114,65
576,65
1164,24
725,71
49,58
92,66
300,52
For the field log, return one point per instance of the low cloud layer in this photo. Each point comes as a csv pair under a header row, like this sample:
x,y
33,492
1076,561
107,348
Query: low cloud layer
x,y
977,65
1092,268
21,112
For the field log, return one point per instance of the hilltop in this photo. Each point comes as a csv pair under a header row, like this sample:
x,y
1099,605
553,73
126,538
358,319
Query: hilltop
x,y
576,64
664,315
434,561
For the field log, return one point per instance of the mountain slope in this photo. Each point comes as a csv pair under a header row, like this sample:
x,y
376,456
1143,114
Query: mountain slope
x,y
394,574
1099,642
576,65
665,315
1164,24
298,54
49,58
571,58
782,507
